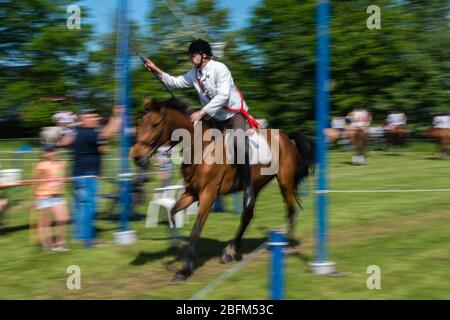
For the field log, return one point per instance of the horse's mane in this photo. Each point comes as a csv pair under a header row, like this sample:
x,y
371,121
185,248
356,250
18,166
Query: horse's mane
x,y
172,103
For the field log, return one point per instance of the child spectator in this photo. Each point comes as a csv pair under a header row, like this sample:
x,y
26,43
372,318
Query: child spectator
x,y
50,201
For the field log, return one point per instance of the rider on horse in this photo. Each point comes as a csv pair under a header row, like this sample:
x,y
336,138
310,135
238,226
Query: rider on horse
x,y
220,98
441,121
360,119
396,119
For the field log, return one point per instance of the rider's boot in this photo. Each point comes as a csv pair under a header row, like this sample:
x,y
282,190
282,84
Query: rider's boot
x,y
245,176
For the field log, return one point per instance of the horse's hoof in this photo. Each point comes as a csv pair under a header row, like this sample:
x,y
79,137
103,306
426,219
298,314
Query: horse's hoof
x,y
181,276
228,254
293,243
226,258
178,277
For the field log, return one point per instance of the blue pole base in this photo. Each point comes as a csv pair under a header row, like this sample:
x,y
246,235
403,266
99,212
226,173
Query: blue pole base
x,y
125,237
323,267
277,244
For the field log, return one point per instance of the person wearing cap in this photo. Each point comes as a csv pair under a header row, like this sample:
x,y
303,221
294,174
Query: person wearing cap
x,y
49,174
88,144
220,98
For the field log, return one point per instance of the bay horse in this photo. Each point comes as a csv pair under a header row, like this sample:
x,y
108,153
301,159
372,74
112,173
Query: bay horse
x,y
396,137
359,138
205,182
442,137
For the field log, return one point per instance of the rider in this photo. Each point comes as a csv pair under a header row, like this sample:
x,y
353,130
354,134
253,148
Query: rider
x,y
339,124
360,119
395,119
220,99
441,121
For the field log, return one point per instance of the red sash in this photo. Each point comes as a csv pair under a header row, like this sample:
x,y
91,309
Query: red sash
x,y
251,121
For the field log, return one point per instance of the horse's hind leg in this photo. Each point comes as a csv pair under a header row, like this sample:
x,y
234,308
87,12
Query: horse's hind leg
x,y
229,252
287,187
182,203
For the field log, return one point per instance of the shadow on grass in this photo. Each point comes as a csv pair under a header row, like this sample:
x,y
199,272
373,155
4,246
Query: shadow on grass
x,y
206,250
6,230
435,158
354,164
394,154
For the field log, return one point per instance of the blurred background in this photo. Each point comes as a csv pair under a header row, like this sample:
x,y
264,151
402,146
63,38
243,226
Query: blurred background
x,y
270,49
271,52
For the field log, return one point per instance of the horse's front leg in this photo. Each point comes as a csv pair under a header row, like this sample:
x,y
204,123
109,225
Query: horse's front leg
x,y
229,252
207,196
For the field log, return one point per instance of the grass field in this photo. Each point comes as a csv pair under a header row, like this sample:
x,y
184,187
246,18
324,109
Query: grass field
x,y
406,234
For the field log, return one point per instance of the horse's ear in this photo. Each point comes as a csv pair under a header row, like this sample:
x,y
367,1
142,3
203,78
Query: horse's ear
x,y
147,103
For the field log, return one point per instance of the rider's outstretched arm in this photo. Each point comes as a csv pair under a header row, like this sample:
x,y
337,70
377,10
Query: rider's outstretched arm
x,y
183,81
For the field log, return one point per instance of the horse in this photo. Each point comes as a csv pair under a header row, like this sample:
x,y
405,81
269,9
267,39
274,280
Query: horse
x,y
204,182
342,137
359,138
396,137
442,137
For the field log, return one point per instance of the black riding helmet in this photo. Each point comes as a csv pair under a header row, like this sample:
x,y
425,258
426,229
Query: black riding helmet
x,y
200,46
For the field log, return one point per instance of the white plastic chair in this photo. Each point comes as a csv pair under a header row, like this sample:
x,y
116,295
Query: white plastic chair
x,y
10,176
192,210
166,198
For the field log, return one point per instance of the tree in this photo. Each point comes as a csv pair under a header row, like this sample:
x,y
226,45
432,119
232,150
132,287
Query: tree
x,y
404,64
44,63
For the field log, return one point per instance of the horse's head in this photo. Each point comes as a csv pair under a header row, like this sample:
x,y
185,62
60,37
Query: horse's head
x,y
155,128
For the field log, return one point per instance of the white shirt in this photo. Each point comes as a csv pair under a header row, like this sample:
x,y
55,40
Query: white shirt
x,y
338,123
441,122
215,88
63,117
360,118
396,119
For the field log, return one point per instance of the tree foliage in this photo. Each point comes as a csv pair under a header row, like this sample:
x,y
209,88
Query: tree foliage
x,y
405,64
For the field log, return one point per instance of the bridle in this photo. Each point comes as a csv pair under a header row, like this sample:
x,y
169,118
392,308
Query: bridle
x,y
155,143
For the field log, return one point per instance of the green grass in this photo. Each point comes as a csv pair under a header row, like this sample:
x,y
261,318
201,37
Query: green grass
x,y
406,234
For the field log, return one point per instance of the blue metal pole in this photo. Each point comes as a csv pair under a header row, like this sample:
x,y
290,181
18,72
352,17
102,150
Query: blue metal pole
x,y
277,244
322,114
123,90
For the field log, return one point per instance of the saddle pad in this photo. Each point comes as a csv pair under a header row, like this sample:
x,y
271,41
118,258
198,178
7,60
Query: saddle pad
x,y
259,152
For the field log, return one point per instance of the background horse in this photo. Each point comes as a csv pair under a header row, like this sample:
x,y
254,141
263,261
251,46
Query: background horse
x,y
205,182
441,137
360,139
396,137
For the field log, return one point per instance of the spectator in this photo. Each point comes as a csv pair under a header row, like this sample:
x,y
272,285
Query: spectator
x,y
66,120
88,143
50,200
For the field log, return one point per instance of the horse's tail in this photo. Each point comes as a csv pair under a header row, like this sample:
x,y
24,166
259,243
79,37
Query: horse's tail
x,y
305,147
